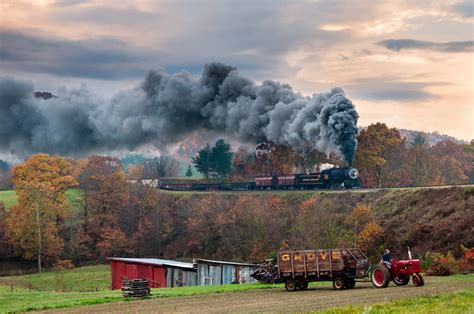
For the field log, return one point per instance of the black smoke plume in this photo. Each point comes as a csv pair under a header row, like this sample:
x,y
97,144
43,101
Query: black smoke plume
x,y
167,107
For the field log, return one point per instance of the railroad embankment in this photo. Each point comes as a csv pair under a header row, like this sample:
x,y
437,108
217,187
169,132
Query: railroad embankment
x,y
426,219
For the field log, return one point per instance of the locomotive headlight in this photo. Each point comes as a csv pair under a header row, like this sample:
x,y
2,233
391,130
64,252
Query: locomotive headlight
x,y
353,173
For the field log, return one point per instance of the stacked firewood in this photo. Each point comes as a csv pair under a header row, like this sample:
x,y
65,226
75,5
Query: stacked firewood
x,y
135,288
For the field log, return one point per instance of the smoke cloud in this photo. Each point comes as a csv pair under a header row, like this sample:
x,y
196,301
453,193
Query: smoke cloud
x,y
168,107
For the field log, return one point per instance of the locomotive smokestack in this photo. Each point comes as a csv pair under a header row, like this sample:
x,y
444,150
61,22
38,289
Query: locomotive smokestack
x,y
167,107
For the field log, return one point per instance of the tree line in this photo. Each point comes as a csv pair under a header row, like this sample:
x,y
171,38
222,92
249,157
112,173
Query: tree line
x,y
383,157
116,216
113,217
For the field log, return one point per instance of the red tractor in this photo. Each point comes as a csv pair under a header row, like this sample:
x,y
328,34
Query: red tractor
x,y
398,271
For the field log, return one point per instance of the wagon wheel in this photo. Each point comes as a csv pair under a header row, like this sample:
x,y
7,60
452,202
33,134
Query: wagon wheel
x,y
290,285
349,283
380,277
338,284
401,280
302,285
417,280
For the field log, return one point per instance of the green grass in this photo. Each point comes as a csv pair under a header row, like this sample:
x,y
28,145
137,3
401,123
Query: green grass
x,y
81,283
89,278
86,278
22,300
10,198
460,302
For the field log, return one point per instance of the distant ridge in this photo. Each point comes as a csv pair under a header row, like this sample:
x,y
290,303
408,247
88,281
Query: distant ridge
x,y
432,138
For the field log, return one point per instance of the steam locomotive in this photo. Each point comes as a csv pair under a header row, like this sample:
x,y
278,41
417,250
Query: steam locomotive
x,y
333,178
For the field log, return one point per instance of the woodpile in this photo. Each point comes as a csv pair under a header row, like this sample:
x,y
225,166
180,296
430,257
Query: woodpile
x,y
135,288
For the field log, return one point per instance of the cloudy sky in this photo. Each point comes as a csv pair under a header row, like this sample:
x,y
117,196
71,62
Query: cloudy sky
x,y
409,64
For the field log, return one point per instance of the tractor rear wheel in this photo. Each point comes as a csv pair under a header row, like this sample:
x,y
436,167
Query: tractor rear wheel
x,y
290,285
418,281
349,283
402,280
380,277
302,285
338,284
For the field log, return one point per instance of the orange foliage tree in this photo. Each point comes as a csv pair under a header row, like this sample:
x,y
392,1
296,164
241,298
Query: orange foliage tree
x,y
368,234
376,153
106,197
34,224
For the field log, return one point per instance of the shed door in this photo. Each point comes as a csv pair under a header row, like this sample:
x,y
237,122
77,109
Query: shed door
x,y
159,279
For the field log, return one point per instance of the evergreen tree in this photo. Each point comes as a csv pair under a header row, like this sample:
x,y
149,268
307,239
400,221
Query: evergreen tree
x,y
221,159
189,172
215,161
202,161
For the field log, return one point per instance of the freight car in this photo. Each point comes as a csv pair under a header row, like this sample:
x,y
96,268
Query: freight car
x,y
334,178
341,266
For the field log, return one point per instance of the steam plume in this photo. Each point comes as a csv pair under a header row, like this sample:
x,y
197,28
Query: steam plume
x,y
167,107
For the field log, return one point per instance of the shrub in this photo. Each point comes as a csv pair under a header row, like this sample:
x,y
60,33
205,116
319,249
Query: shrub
x,y
443,265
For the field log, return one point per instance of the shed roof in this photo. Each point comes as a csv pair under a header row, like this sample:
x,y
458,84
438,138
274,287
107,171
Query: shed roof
x,y
153,261
208,261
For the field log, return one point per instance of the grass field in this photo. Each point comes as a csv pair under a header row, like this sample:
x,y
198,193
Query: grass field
x,y
89,285
9,197
91,278
80,287
459,302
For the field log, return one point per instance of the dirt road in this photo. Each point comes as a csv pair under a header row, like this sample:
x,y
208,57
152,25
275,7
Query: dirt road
x,y
278,300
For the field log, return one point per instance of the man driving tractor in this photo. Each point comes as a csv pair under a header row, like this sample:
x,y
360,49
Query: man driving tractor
x,y
399,271
387,258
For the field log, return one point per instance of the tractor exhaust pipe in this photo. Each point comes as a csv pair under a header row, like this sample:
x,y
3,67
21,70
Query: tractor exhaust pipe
x,y
409,253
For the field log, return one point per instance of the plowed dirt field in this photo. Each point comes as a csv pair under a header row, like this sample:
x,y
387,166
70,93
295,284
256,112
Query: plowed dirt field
x,y
278,300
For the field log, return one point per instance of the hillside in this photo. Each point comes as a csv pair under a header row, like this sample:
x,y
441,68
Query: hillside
x,y
250,226
254,225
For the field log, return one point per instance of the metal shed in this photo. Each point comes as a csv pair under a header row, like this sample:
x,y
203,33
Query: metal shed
x,y
210,272
161,273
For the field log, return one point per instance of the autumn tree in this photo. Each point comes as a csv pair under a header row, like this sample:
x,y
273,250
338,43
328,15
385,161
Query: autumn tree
x,y
4,245
455,161
367,231
160,167
143,197
243,165
469,165
105,201
451,171
284,160
34,224
377,147
420,161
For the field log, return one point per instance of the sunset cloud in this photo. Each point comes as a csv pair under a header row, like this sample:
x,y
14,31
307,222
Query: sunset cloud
x,y
454,46
402,54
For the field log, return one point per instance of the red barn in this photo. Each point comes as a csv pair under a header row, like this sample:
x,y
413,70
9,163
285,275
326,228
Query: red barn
x,y
161,273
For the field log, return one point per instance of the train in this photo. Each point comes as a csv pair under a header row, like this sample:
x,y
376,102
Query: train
x,y
333,178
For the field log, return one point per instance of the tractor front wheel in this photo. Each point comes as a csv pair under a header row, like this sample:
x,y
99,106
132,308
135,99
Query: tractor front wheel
x,y
380,277
338,284
417,280
402,280
290,285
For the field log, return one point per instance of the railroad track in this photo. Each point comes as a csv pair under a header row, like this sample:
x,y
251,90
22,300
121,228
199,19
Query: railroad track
x,y
361,190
